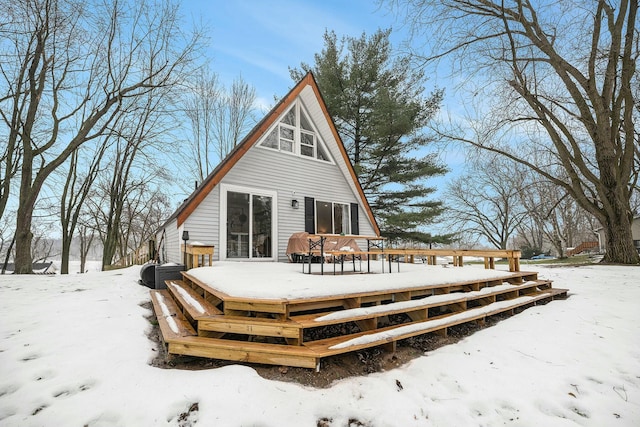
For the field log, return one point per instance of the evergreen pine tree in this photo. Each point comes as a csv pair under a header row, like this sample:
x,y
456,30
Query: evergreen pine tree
x,y
379,109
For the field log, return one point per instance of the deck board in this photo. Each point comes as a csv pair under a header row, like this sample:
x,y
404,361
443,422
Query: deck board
x,y
251,326
192,302
243,351
342,344
360,313
173,325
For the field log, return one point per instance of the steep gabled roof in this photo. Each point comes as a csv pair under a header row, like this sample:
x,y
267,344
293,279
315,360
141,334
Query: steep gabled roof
x,y
214,178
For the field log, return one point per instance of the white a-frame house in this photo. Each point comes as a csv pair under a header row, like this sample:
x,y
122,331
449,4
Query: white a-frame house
x,y
290,174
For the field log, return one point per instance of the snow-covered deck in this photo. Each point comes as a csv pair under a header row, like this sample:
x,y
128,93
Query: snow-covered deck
x,y
274,313
284,281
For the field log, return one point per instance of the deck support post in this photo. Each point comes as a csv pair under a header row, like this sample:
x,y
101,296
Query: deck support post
x,y
390,347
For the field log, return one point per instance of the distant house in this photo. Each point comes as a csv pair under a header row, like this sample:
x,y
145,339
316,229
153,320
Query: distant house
x,y
291,173
635,233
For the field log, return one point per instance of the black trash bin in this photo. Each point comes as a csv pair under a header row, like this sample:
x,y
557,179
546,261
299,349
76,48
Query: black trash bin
x,y
148,275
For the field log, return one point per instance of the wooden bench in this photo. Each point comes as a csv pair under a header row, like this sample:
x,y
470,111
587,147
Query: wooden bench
x,y
342,255
430,255
197,255
489,255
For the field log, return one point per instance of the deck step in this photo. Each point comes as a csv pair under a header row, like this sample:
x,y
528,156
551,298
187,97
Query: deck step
x,y
198,320
244,351
251,326
559,293
173,325
362,313
357,341
194,306
487,294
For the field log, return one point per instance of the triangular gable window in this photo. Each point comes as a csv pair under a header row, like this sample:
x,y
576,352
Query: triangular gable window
x,y
295,133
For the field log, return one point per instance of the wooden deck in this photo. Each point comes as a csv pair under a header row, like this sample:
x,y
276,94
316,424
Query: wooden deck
x,y
198,320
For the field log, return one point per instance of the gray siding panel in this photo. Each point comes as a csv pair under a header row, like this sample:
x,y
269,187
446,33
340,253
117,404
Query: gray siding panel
x,y
172,242
291,177
204,223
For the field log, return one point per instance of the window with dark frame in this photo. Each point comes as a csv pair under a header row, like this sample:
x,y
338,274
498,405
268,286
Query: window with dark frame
x,y
332,218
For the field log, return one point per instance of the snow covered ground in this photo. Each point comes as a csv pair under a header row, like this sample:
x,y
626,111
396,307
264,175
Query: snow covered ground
x,y
74,352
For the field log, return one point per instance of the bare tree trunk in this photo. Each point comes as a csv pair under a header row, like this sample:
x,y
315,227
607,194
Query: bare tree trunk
x,y
110,243
64,256
618,248
23,262
73,199
8,255
63,72
85,246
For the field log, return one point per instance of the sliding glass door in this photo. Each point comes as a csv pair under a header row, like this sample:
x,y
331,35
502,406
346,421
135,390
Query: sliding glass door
x,y
249,225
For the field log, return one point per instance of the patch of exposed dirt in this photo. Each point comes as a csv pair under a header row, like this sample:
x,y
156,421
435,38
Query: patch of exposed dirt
x,y
328,422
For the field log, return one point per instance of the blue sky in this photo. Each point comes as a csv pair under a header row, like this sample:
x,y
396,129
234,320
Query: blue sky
x,y
260,39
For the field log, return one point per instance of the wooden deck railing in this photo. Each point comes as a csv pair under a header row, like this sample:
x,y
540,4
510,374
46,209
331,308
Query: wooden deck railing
x,y
144,253
584,246
489,255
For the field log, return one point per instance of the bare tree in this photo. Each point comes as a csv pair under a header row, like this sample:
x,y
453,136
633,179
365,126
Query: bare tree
x,y
219,118
562,75
530,238
86,235
117,191
234,115
75,192
557,217
7,239
485,203
42,247
68,69
144,212
135,139
200,106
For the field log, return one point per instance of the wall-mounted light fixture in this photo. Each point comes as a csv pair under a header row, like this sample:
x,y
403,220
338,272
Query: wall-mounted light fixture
x,y
294,204
185,237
